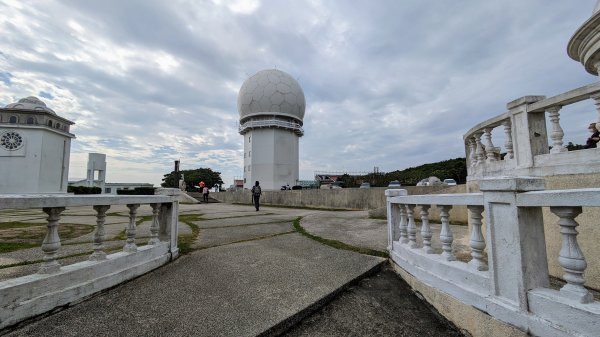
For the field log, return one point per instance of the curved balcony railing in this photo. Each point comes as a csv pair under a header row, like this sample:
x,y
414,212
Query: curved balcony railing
x,y
529,144
271,123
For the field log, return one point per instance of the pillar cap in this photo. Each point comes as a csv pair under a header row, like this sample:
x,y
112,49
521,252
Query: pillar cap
x,y
524,100
395,192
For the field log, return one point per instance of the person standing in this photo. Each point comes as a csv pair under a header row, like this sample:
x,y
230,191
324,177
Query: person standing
x,y
205,194
256,192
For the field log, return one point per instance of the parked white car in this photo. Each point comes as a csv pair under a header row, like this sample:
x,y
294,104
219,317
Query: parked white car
x,y
365,185
394,184
450,182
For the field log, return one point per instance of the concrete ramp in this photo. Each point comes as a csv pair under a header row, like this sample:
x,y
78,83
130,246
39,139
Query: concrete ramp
x,y
251,288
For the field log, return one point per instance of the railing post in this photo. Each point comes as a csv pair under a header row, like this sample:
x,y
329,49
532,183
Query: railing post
x,y
51,243
557,131
596,98
412,228
529,130
477,243
99,235
489,146
472,148
508,143
130,246
446,236
515,240
393,215
425,229
479,152
403,224
571,257
154,227
169,224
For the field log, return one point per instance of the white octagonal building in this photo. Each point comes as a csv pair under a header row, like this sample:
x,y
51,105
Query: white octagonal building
x,y
35,145
271,105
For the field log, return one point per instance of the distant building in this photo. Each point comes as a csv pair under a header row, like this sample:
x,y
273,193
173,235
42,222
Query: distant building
x,y
97,163
271,106
35,146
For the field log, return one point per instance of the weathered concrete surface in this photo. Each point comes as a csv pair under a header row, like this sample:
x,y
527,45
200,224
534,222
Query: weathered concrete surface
x,y
236,290
379,305
344,198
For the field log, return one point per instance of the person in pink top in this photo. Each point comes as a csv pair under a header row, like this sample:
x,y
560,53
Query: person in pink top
x,y
205,194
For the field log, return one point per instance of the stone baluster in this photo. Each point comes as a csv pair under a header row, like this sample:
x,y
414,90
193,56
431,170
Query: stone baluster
x,y
477,242
472,149
51,242
130,246
412,228
446,236
571,258
508,143
403,224
99,235
154,227
557,131
489,146
425,229
596,98
479,152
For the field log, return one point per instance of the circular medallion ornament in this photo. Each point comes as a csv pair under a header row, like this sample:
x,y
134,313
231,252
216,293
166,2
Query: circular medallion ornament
x,y
11,141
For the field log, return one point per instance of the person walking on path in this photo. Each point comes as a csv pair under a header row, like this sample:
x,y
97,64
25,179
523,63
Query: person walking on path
x,y
256,192
205,194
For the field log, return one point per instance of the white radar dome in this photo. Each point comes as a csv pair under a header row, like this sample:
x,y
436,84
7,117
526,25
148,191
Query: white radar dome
x,y
271,92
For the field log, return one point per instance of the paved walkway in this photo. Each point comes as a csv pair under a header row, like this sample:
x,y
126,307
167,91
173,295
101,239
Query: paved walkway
x,y
251,274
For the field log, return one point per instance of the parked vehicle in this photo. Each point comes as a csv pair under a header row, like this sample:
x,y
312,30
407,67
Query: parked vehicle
x,y
365,185
394,184
450,182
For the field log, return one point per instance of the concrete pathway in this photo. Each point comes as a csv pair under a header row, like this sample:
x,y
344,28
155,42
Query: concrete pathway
x,y
250,274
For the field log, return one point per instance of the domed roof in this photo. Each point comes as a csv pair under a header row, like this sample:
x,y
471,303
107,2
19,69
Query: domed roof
x,y
30,103
271,92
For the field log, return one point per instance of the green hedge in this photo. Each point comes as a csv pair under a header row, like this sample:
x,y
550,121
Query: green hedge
x,y
137,191
84,190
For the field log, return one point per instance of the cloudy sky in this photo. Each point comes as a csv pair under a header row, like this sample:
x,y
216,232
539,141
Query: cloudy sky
x,y
390,83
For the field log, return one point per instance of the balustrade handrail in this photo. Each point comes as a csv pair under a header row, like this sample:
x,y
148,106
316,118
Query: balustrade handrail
x,y
24,201
270,122
458,199
566,98
491,122
589,197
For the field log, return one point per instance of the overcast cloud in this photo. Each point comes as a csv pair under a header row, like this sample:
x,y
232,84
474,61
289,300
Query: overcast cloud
x,y
391,84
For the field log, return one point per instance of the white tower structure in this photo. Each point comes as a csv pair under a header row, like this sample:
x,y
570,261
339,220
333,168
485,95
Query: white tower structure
x,y
35,145
96,162
271,106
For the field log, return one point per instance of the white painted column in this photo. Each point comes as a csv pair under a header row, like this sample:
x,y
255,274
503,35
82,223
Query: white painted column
x,y
557,131
51,243
393,215
130,246
446,237
154,227
425,229
99,236
508,143
529,130
515,239
412,228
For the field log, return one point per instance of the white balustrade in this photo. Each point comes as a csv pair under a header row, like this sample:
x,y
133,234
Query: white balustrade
x,y
476,243
515,287
403,224
412,228
508,143
571,257
130,246
489,146
51,243
446,237
557,131
155,226
479,152
472,149
426,229
99,235
54,286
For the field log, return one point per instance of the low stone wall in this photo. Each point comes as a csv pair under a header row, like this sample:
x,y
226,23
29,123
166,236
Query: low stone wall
x,y
345,198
